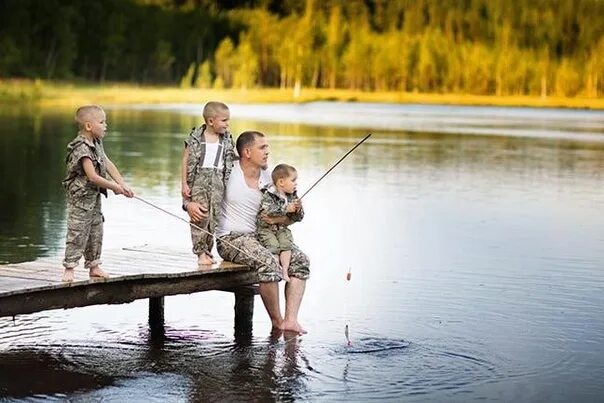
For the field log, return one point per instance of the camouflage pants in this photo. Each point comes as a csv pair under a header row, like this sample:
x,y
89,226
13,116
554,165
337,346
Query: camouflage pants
x,y
277,240
84,234
207,190
245,249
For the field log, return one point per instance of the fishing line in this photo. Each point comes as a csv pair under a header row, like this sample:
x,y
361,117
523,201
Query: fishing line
x,y
199,228
347,293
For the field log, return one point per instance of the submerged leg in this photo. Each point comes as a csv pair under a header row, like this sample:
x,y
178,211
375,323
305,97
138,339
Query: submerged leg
x,y
294,291
270,297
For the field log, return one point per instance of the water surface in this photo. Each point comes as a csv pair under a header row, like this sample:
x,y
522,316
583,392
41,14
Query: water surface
x,y
476,254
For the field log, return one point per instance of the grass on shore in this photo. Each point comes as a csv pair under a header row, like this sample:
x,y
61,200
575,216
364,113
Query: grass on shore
x,y
68,95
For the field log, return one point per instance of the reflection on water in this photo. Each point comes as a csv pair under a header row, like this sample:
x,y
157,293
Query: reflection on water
x,y
476,264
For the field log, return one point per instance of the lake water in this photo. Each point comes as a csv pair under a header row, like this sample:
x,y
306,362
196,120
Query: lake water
x,y
475,239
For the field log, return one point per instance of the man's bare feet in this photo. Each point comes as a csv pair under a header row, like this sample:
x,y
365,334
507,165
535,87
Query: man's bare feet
x,y
292,327
68,275
97,272
204,260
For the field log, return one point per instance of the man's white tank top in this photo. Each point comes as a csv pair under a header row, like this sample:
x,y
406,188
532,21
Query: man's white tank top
x,y
241,203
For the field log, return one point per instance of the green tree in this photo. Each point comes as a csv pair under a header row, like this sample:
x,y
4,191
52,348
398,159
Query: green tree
x,y
224,62
568,81
246,65
204,76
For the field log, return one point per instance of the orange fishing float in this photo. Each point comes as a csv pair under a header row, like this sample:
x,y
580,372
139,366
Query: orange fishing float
x,y
346,328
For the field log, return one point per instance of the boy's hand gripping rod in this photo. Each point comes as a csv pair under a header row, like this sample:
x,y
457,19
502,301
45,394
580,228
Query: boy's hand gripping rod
x,y
335,165
199,228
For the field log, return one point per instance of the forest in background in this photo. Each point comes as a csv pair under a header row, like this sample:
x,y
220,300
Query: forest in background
x,y
485,47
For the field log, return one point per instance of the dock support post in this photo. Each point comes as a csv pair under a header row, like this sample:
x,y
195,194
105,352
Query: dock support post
x,y
244,311
156,315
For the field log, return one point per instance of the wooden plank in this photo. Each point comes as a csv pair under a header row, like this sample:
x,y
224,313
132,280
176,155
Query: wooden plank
x,y
120,291
46,277
83,279
121,267
10,284
38,266
55,275
143,272
20,268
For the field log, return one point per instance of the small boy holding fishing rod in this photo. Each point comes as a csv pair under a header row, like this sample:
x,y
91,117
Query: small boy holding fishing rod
x,y
279,200
207,163
87,169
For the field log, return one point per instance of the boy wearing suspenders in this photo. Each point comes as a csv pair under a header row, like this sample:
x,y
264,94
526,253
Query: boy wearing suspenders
x,y
206,165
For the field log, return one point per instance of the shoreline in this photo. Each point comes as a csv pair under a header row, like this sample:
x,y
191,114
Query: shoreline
x,y
21,93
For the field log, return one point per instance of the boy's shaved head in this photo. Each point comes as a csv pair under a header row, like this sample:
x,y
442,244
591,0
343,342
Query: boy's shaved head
x,y
211,109
282,171
85,113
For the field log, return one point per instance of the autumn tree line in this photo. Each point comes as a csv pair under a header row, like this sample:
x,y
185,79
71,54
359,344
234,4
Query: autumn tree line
x,y
498,47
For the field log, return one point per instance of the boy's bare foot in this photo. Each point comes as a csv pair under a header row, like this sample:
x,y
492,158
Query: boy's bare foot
x,y
68,275
97,272
292,327
205,260
285,276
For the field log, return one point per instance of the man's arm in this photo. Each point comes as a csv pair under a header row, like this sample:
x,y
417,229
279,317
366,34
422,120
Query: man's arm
x,y
284,220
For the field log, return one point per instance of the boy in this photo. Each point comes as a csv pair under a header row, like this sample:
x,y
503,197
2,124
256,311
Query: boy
x,y
87,169
207,163
278,200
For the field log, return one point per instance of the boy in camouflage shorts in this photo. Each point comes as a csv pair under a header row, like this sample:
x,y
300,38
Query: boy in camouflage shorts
x,y
206,165
278,200
87,169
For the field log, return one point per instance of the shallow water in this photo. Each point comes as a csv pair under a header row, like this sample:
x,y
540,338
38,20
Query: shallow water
x,y
476,260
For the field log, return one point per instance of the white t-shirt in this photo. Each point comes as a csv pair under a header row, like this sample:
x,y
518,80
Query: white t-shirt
x,y
210,156
241,203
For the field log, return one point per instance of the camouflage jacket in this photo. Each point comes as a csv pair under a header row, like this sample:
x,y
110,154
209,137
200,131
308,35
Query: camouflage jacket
x,y
275,205
197,150
79,189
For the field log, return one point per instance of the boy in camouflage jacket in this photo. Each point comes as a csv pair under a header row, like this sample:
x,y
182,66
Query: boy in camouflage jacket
x,y
206,166
87,170
278,200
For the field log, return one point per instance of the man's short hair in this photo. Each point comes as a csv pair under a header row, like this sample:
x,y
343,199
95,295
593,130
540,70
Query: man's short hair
x,y
83,113
282,171
211,109
246,139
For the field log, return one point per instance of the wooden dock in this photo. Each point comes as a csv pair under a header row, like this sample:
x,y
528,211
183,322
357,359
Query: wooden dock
x,y
136,273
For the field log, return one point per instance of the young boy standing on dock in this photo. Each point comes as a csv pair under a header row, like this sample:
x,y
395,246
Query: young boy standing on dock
x,y
279,200
87,169
207,163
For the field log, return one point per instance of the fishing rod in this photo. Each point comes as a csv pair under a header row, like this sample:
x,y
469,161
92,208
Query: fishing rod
x,y
199,228
335,165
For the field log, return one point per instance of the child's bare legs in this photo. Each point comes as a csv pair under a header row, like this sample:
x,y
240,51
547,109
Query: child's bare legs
x,y
284,258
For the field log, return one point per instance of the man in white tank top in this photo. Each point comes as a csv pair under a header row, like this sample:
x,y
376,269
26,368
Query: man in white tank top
x,y
236,232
